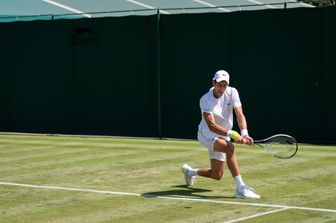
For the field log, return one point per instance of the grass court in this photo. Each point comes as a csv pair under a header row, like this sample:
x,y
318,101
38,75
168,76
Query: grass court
x,y
61,179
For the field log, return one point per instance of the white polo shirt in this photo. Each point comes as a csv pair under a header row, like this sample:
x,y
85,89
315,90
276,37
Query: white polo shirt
x,y
221,108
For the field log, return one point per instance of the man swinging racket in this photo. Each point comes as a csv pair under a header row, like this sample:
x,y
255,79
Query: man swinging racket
x,y
214,132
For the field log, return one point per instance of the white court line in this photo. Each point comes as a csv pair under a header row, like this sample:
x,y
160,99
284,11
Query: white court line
x,y
170,198
70,189
147,6
247,204
257,215
260,3
67,8
303,4
211,5
307,5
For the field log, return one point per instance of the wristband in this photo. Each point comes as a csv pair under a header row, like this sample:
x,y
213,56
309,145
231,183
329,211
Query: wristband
x,y
244,132
232,134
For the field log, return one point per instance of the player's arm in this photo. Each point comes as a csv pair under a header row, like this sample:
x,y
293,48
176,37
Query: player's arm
x,y
210,120
240,117
242,124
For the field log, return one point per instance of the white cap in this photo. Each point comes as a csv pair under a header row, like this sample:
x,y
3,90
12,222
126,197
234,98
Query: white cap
x,y
221,75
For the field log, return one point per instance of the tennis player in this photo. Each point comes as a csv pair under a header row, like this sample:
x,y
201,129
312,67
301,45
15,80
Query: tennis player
x,y
215,132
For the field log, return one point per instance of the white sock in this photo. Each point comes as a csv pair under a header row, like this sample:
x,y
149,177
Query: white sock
x,y
193,172
239,181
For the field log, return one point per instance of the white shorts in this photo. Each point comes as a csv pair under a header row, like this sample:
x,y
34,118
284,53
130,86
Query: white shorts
x,y
208,140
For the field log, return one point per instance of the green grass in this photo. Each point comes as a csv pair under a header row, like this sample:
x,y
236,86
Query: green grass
x,y
152,167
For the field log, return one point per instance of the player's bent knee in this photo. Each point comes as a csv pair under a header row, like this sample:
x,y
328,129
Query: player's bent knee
x,y
232,148
224,146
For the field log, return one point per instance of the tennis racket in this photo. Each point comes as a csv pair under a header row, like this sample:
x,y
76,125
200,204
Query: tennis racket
x,y
280,146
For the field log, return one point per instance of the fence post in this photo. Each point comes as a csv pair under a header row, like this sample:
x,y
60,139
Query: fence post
x,y
158,73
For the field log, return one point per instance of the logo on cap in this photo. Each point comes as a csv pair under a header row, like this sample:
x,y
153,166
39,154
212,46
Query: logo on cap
x,y
221,75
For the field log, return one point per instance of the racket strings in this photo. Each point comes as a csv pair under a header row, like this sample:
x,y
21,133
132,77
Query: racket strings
x,y
281,146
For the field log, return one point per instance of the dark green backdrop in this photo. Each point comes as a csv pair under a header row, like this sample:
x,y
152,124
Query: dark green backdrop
x,y
144,75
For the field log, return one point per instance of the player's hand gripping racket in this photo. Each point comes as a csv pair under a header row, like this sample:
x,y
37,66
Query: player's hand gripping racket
x,y
280,146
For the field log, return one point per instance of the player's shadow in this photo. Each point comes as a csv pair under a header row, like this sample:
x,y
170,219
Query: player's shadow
x,y
185,192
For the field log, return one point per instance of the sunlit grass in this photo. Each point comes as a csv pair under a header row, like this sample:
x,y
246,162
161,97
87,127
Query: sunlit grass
x,y
152,167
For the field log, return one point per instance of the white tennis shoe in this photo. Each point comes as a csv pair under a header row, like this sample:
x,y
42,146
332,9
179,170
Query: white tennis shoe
x,y
246,192
190,180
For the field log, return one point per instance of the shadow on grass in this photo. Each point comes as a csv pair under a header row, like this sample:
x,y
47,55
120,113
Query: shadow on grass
x,y
183,191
